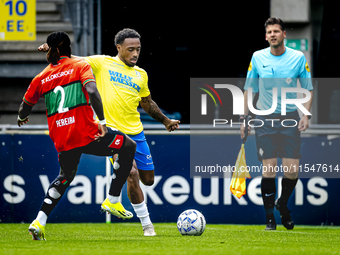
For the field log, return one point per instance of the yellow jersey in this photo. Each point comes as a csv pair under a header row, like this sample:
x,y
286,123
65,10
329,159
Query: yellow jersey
x,y
121,87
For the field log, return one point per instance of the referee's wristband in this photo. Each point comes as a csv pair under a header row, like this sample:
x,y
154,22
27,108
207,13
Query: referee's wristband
x,y
102,122
21,118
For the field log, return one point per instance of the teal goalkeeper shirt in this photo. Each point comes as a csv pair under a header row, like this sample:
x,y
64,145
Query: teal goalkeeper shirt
x,y
267,71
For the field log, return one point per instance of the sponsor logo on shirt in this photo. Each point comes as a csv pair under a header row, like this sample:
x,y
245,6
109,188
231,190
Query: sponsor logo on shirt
x,y
56,75
123,79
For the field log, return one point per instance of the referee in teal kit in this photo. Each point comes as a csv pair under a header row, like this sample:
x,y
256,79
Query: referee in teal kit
x,y
272,139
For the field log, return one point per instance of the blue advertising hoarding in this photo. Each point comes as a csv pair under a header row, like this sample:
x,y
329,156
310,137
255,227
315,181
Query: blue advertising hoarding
x,y
28,163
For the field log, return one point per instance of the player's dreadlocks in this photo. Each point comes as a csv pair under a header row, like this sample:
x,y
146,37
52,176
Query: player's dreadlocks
x,y
60,44
126,33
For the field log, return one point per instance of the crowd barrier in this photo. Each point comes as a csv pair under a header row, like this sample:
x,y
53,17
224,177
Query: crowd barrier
x,y
29,162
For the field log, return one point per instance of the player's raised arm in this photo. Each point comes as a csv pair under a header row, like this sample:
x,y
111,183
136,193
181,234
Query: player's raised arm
x,y
151,108
77,57
44,48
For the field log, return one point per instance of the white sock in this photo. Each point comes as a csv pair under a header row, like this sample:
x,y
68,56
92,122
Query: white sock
x,y
142,213
113,199
42,218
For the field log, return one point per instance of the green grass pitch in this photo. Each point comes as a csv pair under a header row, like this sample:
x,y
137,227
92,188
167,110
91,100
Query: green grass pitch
x,y
127,238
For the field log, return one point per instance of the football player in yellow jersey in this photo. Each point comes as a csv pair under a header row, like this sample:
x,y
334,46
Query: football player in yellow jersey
x,y
123,86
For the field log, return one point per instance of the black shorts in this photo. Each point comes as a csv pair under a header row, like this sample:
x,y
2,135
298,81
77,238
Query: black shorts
x,y
278,137
109,145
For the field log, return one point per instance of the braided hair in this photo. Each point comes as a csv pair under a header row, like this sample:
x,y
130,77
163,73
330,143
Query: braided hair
x,y
59,44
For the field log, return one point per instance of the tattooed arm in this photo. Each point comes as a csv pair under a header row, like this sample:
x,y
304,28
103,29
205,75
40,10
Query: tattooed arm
x,y
151,108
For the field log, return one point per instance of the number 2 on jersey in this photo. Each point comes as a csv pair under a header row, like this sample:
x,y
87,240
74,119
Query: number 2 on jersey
x,y
61,109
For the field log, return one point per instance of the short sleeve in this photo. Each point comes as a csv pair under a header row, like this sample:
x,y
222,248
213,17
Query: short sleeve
x,y
304,74
95,62
86,74
144,92
252,80
33,93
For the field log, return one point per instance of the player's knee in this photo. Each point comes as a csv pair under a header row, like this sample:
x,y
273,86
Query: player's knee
x,y
147,177
292,175
148,181
269,174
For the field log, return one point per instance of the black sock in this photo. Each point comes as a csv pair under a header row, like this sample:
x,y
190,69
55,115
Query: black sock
x,y
268,190
270,217
125,161
54,193
288,185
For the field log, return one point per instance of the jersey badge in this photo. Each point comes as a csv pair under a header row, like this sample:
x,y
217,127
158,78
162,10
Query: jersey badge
x,y
117,142
137,74
250,67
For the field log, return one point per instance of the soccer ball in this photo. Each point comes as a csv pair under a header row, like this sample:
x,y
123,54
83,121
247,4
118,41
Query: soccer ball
x,y
191,222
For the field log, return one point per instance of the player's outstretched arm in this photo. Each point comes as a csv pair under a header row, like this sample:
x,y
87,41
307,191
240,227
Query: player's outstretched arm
x,y
44,48
77,57
151,108
24,111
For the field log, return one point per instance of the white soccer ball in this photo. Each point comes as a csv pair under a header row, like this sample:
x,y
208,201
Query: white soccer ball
x,y
191,222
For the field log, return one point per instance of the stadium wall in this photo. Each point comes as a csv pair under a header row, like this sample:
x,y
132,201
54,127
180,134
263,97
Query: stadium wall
x,y
28,163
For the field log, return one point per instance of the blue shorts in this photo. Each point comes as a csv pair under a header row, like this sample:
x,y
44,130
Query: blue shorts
x,y
143,156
